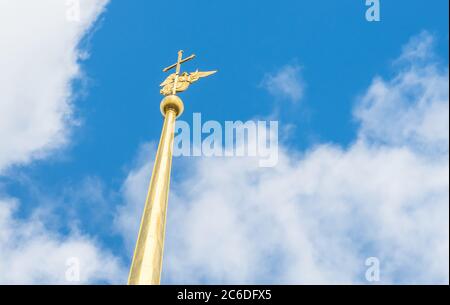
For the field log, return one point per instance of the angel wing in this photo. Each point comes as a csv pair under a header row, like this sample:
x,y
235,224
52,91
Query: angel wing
x,y
169,80
183,82
195,76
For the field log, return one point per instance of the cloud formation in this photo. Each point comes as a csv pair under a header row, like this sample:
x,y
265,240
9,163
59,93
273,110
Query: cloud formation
x,y
39,56
285,83
412,108
33,254
318,215
39,60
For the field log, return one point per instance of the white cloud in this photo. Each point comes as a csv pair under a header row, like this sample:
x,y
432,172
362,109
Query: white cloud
x,y
38,60
412,108
32,254
313,219
285,83
134,192
420,47
319,214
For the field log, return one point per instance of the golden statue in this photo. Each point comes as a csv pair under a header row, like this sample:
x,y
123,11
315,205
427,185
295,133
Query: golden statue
x,y
182,81
147,259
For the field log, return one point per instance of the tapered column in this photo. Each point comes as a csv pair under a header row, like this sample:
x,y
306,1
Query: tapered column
x,y
147,260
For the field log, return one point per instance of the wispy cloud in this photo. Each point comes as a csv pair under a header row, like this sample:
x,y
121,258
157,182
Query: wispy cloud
x,y
286,83
31,253
39,58
412,107
420,47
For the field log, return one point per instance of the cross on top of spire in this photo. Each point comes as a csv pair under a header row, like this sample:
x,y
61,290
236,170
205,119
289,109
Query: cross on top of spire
x,y
180,61
177,70
177,82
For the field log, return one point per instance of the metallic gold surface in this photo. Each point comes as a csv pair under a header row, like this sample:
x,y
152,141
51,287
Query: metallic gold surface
x,y
180,62
147,261
174,102
148,254
175,82
178,83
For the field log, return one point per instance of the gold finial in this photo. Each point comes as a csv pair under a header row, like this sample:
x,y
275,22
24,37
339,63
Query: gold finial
x,y
178,83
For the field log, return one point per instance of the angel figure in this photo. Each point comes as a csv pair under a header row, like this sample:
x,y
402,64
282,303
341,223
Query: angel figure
x,y
182,82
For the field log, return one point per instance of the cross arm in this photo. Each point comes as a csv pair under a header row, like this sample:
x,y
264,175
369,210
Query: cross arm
x,y
182,61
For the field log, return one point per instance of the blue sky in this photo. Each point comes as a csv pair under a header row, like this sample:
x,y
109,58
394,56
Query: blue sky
x,y
336,55
243,42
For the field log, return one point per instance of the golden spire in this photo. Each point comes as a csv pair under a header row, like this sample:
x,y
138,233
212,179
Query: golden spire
x,y
147,259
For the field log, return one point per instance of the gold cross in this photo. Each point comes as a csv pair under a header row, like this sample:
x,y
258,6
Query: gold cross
x,y
177,70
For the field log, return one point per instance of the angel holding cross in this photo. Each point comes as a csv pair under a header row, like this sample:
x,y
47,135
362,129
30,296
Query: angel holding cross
x,y
178,83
